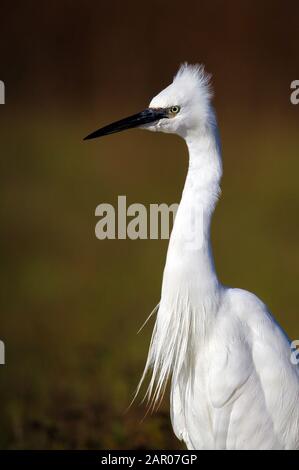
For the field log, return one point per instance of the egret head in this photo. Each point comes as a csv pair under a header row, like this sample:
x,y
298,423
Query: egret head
x,y
180,108
186,102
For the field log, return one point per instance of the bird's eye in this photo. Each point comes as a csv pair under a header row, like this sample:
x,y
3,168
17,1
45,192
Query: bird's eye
x,y
174,109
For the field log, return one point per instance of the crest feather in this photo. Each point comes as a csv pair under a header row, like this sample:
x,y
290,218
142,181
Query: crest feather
x,y
194,76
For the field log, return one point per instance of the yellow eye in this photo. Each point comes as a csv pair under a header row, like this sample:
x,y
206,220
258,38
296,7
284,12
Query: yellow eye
x,y
174,109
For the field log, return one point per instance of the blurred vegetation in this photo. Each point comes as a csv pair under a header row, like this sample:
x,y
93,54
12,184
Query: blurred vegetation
x,y
70,304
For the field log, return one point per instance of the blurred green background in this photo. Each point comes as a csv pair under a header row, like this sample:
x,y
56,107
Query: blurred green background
x,y
70,304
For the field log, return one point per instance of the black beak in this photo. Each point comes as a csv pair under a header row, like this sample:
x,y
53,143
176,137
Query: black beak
x,y
139,119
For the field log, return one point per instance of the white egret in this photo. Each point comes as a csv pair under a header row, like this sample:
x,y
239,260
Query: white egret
x,y
233,385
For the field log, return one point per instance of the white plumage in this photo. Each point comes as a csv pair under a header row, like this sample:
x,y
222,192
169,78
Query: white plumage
x,y
233,385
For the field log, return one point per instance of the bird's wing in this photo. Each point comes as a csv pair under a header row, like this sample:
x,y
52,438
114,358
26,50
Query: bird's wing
x,y
253,380
231,370
279,379
177,416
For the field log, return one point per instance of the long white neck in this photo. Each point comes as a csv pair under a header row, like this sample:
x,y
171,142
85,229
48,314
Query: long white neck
x,y
190,263
190,291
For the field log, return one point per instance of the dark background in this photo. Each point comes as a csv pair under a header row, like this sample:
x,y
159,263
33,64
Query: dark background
x,y
70,304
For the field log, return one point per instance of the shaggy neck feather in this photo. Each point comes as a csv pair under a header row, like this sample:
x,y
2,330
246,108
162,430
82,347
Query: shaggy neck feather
x,y
190,291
